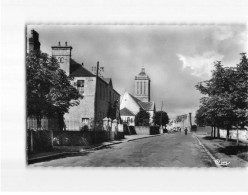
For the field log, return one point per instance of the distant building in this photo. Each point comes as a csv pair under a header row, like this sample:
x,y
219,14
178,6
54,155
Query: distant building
x,y
99,100
131,105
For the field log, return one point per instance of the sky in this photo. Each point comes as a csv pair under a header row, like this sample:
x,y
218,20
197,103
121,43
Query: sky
x,y
176,57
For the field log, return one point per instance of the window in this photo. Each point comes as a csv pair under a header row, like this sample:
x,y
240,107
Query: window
x,y
80,86
138,88
85,121
61,60
144,88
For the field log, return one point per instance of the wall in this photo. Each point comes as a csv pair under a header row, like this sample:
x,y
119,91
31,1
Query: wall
x,y
39,141
154,130
85,109
142,130
129,103
147,130
63,53
243,134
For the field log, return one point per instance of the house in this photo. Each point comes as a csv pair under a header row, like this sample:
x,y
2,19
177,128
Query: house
x,y
99,98
132,104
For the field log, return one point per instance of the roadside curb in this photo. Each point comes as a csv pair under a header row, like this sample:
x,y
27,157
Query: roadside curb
x,y
49,157
144,137
60,155
207,151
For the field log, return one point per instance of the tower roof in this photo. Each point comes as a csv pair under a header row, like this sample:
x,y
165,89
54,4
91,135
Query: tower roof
x,y
142,74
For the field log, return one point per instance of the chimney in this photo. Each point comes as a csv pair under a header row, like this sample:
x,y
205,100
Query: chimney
x,y
59,43
82,64
66,43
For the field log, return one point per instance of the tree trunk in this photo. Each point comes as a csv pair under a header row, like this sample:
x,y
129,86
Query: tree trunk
x,y
237,136
38,118
218,132
212,131
227,134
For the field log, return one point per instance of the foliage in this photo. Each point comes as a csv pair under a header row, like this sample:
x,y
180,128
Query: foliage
x,y
112,111
142,118
49,91
161,118
225,103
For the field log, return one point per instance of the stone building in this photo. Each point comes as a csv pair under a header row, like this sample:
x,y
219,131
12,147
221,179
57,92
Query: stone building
x,y
131,105
99,98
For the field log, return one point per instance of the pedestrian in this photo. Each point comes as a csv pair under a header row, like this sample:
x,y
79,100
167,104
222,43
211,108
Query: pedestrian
x,y
185,130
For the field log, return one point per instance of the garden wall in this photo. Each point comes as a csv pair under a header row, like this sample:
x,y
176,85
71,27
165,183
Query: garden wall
x,y
40,141
146,130
142,130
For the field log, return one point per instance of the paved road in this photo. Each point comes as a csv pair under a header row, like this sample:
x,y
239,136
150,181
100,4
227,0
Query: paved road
x,y
168,150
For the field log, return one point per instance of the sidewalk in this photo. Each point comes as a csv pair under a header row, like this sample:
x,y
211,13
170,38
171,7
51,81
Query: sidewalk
x,y
64,151
223,150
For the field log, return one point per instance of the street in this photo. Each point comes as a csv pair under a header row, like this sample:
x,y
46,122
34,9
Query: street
x,y
168,150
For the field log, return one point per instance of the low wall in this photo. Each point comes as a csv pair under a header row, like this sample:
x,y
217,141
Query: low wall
x,y
79,138
154,130
142,130
39,141
242,134
146,130
119,135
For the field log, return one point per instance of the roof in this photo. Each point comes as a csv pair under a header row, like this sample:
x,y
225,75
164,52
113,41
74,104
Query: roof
x,y
77,69
134,98
147,105
144,105
107,80
126,112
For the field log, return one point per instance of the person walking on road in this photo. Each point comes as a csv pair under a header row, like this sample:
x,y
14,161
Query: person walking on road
x,y
185,130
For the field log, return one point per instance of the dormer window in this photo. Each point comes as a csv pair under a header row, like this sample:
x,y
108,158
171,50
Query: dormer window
x,y
80,86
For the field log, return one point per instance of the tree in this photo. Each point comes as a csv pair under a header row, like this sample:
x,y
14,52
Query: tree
x,y
49,91
142,118
225,104
161,118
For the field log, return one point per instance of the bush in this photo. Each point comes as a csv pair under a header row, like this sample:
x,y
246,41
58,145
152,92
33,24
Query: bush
x,y
142,118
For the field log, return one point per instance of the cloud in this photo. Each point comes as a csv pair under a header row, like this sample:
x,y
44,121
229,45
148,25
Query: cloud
x,y
176,57
200,65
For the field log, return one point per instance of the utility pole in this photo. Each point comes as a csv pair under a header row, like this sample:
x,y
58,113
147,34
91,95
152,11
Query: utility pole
x,y
97,69
161,115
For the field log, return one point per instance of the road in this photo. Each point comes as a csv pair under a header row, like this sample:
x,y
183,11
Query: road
x,y
167,150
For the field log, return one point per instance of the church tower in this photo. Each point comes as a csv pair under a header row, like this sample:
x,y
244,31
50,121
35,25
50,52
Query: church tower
x,y
142,86
63,55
